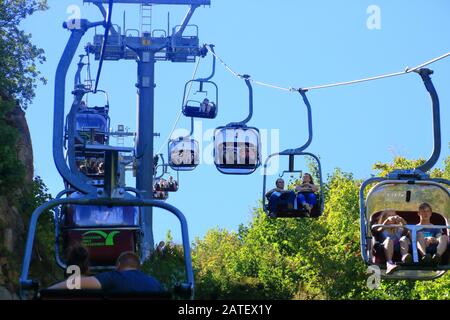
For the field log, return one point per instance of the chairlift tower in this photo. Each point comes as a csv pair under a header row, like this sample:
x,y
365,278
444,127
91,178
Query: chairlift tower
x,y
146,49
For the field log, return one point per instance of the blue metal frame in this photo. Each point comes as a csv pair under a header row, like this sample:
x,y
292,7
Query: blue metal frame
x,y
75,179
169,2
425,75
58,226
25,282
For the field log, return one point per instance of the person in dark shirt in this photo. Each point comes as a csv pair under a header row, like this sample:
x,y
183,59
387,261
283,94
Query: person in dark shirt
x,y
126,278
279,193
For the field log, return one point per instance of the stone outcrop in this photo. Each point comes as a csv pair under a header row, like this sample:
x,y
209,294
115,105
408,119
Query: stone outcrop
x,y
12,225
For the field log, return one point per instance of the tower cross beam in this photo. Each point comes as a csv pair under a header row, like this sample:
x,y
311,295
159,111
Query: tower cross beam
x,y
168,2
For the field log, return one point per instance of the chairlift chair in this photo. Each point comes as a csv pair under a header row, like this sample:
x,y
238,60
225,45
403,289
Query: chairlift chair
x,y
237,147
285,204
404,191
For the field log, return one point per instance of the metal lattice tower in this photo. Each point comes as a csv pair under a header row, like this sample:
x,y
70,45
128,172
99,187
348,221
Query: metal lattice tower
x,y
146,18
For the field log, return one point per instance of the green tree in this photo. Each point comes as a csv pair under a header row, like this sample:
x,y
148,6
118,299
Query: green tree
x,y
303,258
18,56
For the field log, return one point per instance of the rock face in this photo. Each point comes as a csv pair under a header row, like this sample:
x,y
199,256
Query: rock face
x,y
16,118
12,226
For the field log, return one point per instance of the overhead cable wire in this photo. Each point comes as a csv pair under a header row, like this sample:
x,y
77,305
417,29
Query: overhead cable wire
x,y
180,112
316,87
105,40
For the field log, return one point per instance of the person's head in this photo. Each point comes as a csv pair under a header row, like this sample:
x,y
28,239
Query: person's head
x,y
83,105
307,178
206,100
425,211
170,178
387,215
279,183
128,261
78,256
394,220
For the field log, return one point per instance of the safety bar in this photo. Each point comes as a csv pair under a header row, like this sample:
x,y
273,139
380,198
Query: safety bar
x,y
414,228
362,216
93,200
292,153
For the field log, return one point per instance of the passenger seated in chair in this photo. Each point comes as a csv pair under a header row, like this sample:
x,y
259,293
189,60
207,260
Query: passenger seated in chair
x,y
431,243
78,256
177,156
275,194
247,154
206,106
394,239
173,185
101,168
306,196
126,278
163,185
83,106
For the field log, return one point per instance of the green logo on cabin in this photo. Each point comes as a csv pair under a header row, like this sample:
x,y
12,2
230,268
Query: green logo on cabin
x,y
98,238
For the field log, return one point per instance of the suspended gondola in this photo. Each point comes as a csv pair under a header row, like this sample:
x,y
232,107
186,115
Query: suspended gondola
x,y
406,193
184,152
237,147
204,105
305,199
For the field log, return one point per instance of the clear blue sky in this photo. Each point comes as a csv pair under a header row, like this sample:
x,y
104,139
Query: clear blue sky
x,y
289,43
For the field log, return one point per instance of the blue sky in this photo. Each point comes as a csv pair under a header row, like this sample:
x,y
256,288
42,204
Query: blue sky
x,y
291,43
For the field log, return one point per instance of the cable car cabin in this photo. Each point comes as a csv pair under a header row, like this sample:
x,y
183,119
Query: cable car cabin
x,y
404,197
237,149
106,232
184,154
92,126
170,185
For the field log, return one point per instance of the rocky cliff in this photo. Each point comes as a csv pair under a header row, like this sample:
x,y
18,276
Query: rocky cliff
x,y
12,224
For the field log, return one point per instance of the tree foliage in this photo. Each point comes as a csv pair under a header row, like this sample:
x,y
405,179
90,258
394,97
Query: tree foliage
x,y
18,56
303,258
